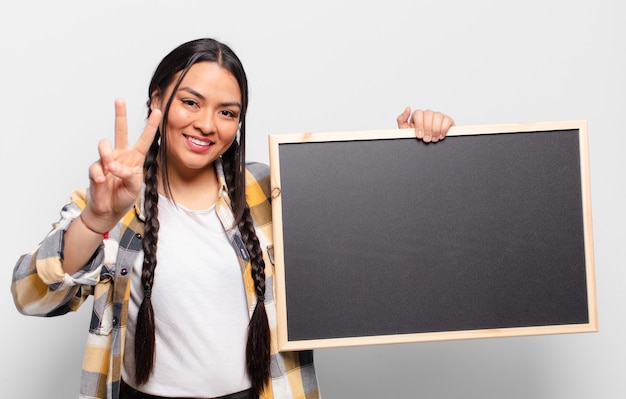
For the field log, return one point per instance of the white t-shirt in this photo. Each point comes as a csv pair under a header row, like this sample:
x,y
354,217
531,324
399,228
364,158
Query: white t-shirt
x,y
200,309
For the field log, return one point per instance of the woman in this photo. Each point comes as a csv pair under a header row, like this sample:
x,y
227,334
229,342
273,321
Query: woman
x,y
182,199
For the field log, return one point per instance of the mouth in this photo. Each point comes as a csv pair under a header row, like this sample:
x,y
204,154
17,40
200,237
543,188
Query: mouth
x,y
199,142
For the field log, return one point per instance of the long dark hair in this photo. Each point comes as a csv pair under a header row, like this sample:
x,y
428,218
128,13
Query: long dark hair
x,y
258,346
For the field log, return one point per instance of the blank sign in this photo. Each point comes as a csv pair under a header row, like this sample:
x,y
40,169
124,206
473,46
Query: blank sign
x,y
382,238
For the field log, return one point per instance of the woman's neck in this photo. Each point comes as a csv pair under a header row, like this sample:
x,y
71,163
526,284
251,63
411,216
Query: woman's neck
x,y
193,191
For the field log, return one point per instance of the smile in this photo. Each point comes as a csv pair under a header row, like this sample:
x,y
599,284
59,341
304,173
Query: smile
x,y
198,141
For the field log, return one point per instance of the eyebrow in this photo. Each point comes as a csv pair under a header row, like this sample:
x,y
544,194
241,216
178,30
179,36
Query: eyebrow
x,y
200,96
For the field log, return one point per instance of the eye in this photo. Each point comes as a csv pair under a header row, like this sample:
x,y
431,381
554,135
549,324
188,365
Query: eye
x,y
229,114
190,103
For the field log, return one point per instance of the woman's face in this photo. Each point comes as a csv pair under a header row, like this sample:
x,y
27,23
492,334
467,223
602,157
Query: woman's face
x,y
203,118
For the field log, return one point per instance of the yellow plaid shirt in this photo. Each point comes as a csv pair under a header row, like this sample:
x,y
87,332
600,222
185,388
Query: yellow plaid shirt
x,y
40,287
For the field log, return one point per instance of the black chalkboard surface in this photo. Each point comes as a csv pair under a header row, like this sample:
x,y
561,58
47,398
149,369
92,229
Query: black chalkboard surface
x,y
381,238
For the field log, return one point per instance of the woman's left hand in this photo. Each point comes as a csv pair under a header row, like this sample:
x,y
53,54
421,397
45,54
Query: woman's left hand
x,y
430,126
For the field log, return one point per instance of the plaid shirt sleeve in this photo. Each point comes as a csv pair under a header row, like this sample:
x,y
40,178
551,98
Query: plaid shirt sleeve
x,y
40,287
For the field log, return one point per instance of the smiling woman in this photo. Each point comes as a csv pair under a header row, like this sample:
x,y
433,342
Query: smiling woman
x,y
203,119
172,239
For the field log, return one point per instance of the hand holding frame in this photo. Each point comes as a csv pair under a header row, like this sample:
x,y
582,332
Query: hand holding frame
x,y
430,126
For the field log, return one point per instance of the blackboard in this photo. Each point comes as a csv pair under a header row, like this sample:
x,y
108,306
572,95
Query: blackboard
x,y
382,238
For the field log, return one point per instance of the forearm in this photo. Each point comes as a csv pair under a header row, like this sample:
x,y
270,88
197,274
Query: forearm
x,y
83,237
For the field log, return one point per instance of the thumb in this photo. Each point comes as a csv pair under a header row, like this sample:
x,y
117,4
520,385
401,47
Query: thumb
x,y
403,119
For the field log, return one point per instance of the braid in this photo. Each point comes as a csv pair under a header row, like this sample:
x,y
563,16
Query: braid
x,y
144,335
248,234
258,345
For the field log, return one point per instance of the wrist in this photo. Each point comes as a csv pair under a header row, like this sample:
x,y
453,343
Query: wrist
x,y
104,234
95,224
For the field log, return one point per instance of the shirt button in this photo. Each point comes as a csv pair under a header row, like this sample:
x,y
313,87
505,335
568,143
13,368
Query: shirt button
x,y
114,321
138,236
124,271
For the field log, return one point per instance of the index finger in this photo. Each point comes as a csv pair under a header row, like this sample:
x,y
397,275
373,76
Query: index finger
x,y
121,126
147,136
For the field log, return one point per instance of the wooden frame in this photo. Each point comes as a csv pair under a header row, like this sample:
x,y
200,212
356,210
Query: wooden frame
x,y
582,290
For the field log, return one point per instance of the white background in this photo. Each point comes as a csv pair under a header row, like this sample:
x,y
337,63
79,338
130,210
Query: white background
x,y
323,66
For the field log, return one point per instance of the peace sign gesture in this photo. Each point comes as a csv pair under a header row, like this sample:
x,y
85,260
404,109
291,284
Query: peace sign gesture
x,y
115,180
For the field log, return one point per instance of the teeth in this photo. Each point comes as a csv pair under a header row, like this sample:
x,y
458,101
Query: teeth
x,y
199,142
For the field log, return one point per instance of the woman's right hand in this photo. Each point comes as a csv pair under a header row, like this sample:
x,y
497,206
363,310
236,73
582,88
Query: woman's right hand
x,y
115,180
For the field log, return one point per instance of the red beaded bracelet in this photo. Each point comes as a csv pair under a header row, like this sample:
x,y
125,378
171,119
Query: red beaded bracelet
x,y
104,235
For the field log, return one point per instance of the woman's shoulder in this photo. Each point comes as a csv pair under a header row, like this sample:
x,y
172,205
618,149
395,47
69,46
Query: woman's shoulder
x,y
258,170
258,180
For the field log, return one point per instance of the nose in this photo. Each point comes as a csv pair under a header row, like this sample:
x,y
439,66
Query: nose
x,y
205,122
